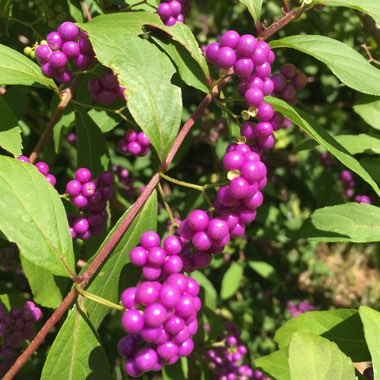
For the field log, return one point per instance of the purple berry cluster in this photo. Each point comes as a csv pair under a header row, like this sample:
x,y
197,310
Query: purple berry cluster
x,y
106,89
160,320
171,11
43,168
348,183
287,81
300,308
227,362
64,48
15,326
134,143
251,61
236,205
90,196
156,262
326,160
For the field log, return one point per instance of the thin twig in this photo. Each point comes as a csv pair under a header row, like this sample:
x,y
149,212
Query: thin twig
x,y
67,95
86,10
369,54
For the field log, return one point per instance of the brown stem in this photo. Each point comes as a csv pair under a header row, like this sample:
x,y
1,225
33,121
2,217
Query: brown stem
x,y
38,339
86,10
281,23
285,6
108,247
65,100
371,26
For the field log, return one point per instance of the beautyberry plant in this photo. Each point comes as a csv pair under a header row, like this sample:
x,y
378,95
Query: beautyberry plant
x,y
189,190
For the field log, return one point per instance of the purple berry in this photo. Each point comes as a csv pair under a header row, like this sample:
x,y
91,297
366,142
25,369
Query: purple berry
x,y
254,96
156,256
42,53
246,46
132,321
57,59
226,57
42,167
243,67
147,293
138,256
83,175
149,239
128,298
173,264
71,49
169,296
68,30
146,358
212,52
54,40
172,245
154,315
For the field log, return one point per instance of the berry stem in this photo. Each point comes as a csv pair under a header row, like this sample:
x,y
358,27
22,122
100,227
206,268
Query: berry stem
x,y
182,183
67,95
281,23
98,299
173,223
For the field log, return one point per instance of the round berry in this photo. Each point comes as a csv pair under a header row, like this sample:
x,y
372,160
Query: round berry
x,y
42,53
254,96
54,40
132,321
233,161
172,245
150,239
246,45
173,264
230,39
68,30
226,57
83,175
212,52
138,256
71,49
57,59
42,167
239,187
147,293
146,358
154,315
169,296
128,298
198,220
217,228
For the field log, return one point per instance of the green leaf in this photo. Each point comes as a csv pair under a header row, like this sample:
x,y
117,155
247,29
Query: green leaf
x,y
342,326
319,134
16,68
10,132
264,269
369,110
371,323
370,7
32,216
372,165
318,358
76,352
254,7
350,222
106,283
354,144
188,69
347,64
275,365
48,290
154,102
231,280
210,294
181,33
91,144
177,371
104,120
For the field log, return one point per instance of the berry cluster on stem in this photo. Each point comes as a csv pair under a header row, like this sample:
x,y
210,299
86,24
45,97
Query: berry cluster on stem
x,y
65,48
43,168
134,143
90,196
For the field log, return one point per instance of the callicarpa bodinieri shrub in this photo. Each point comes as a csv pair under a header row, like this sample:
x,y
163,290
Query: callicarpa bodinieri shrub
x,y
189,189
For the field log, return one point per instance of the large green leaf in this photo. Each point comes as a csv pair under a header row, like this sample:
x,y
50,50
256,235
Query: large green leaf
x,y
371,323
10,132
91,144
76,352
48,290
343,326
347,64
188,69
231,280
318,358
146,73
350,222
32,216
370,7
16,68
254,7
106,284
355,144
275,365
319,134
369,110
